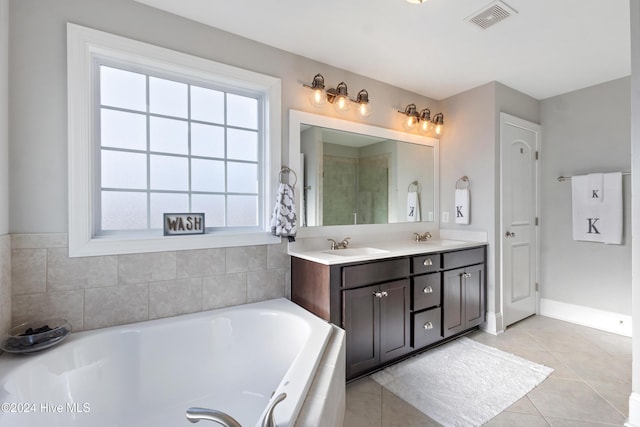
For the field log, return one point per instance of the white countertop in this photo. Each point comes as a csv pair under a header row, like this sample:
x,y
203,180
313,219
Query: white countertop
x,y
380,250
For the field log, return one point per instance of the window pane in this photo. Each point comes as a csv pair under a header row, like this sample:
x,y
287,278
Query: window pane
x,y
243,211
207,175
169,136
124,211
123,170
166,203
169,173
207,105
123,130
242,111
167,97
207,140
242,177
242,145
212,206
123,89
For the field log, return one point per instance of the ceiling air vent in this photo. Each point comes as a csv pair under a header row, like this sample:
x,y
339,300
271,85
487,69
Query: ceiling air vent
x,y
491,14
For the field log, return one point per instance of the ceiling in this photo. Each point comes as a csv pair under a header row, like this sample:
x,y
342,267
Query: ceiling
x,y
548,47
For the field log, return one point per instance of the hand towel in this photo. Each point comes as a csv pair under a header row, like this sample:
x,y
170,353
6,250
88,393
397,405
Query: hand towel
x,y
594,190
413,206
597,219
283,220
462,201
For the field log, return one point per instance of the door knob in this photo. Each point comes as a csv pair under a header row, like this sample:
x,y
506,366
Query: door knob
x,y
510,234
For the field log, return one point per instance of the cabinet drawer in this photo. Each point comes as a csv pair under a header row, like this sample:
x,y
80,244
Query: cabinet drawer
x,y
426,263
461,258
426,327
374,272
426,291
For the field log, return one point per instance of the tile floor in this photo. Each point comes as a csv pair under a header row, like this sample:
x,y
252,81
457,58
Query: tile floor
x,y
590,386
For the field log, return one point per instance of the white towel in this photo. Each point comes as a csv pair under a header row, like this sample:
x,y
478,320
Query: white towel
x,y
283,220
413,206
462,200
594,190
597,219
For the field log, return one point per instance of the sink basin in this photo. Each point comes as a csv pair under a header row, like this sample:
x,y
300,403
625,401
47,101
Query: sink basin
x,y
356,251
440,242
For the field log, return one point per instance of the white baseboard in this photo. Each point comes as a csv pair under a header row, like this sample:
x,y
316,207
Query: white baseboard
x,y
598,319
634,411
493,324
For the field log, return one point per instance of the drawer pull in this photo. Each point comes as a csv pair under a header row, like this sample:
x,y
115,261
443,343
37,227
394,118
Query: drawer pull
x,y
428,290
427,262
428,326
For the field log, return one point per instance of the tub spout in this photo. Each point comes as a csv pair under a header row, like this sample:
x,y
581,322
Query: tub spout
x,y
268,420
196,414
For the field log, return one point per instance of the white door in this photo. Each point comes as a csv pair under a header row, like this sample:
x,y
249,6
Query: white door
x,y
519,147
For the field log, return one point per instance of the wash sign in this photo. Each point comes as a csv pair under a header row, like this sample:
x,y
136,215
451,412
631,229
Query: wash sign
x,y
177,224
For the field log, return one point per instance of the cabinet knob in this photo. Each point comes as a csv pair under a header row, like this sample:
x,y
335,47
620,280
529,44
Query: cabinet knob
x,y
427,262
467,275
428,326
428,290
379,294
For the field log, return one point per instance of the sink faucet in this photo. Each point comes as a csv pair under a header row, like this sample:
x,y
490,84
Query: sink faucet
x,y
422,237
342,245
196,414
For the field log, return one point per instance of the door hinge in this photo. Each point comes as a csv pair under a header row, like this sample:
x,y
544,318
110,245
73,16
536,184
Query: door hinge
x,y
537,155
537,286
537,221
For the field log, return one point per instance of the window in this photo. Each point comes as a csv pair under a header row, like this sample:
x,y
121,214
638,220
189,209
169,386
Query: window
x,y
153,131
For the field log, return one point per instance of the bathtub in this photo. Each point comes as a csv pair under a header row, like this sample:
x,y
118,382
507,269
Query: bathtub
x,y
147,374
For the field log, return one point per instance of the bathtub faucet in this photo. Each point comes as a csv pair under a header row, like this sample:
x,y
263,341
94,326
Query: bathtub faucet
x,y
196,414
268,420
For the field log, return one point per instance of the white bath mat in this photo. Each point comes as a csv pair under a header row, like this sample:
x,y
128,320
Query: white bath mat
x,y
462,383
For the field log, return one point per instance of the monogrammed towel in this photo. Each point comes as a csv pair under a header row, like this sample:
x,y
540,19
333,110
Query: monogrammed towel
x,y
597,215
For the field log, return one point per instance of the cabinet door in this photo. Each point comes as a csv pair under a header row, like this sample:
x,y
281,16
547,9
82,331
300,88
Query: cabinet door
x,y
474,296
395,329
362,325
453,309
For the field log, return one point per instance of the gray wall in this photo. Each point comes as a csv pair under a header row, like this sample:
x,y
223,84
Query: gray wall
x,y
38,150
584,131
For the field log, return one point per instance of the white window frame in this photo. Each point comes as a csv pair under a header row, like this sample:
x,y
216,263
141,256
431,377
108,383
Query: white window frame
x,y
83,46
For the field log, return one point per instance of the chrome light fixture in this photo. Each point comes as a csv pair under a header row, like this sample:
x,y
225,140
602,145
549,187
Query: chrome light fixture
x,y
337,96
422,120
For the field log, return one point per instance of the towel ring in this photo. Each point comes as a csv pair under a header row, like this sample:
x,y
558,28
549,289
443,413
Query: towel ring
x,y
464,179
286,169
414,183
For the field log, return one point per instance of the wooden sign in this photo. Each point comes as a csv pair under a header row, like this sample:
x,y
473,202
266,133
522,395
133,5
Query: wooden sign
x,y
179,224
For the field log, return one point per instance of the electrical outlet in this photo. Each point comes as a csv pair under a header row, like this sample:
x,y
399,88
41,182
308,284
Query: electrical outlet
x,y
445,216
430,216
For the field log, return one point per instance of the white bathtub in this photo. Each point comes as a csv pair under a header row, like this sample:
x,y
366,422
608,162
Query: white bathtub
x,y
147,374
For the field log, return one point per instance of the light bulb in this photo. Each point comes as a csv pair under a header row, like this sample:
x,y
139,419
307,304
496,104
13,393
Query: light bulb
x,y
409,123
317,97
342,103
424,126
439,129
364,109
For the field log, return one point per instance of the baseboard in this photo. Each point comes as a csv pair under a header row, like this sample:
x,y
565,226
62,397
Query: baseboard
x,y
634,411
493,325
598,319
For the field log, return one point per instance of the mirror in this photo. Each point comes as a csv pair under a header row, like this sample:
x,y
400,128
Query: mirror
x,y
352,173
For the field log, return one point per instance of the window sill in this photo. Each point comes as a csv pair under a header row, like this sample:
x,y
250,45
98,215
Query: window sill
x,y
120,245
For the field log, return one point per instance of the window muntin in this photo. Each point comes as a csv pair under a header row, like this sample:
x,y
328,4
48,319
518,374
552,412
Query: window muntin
x,y
172,145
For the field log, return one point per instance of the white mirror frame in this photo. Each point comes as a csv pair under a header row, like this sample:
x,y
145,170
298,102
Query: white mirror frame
x,y
297,118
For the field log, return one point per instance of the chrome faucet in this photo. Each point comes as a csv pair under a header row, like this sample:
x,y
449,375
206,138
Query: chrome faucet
x,y
269,420
196,414
422,237
342,245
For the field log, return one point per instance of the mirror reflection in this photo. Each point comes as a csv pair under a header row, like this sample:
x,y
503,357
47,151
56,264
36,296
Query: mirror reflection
x,y
352,178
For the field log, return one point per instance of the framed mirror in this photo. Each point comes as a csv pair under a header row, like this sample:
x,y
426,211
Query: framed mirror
x,y
355,174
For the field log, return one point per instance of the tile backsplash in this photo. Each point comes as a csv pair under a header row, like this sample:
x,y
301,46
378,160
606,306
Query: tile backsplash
x,y
95,292
5,283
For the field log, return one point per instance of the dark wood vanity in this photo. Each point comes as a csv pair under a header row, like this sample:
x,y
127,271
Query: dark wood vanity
x,y
393,307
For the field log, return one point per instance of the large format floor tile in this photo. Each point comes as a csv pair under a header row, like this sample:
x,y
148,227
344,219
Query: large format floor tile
x,y
590,385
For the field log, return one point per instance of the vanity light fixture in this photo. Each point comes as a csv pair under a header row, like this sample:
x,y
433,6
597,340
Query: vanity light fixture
x,y
337,96
422,120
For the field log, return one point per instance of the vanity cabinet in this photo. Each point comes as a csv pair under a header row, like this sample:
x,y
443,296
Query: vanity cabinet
x,y
393,307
